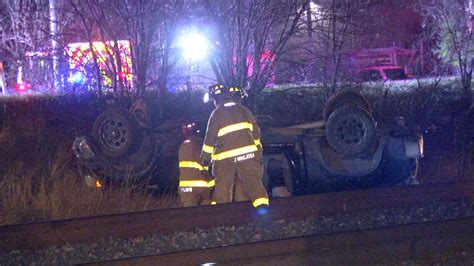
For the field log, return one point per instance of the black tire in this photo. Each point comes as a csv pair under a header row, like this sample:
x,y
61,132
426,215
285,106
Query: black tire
x,y
114,132
140,111
344,98
350,131
139,163
146,112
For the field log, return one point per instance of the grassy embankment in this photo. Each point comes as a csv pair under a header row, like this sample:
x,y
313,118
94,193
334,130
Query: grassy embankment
x,y
38,180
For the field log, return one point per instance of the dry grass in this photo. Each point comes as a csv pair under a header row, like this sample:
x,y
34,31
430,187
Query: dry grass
x,y
447,167
57,192
39,182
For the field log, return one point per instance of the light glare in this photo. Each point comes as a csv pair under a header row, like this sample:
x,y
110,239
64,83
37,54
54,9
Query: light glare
x,y
206,97
194,45
77,78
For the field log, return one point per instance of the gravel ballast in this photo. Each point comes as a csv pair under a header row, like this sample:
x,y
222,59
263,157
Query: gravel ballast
x,y
116,248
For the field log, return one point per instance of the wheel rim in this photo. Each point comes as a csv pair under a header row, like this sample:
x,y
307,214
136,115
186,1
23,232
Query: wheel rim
x,y
139,115
114,134
351,131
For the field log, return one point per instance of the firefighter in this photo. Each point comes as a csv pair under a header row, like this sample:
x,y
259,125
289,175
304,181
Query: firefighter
x,y
232,143
194,184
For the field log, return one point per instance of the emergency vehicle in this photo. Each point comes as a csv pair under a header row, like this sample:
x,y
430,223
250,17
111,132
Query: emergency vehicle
x,y
383,64
76,68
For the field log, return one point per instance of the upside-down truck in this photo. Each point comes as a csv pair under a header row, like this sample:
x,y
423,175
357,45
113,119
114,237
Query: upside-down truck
x,y
347,150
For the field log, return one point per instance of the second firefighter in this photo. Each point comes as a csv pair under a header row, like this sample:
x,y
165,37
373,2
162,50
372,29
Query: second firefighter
x,y
195,184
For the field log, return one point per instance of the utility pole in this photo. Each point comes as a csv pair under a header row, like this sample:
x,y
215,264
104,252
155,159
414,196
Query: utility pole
x,y
53,27
3,85
471,17
310,55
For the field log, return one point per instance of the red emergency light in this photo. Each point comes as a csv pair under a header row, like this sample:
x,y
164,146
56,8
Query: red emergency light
x,y
23,86
123,75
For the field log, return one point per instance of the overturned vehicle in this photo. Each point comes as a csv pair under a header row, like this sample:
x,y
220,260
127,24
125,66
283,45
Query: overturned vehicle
x,y
347,150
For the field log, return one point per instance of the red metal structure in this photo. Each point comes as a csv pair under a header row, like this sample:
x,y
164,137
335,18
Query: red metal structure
x,y
390,63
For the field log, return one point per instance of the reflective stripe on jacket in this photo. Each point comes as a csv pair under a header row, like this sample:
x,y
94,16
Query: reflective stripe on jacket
x,y
190,170
196,183
231,131
191,164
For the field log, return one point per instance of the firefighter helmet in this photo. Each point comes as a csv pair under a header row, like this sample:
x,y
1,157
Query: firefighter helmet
x,y
220,92
190,128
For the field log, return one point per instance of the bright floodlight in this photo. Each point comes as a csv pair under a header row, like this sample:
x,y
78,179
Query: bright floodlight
x,y
76,78
194,45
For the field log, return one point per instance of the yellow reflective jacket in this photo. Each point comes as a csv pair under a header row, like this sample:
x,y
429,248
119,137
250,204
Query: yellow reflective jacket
x,y
231,131
191,172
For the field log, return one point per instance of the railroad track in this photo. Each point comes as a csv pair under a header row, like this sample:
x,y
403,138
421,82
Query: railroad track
x,y
420,243
90,229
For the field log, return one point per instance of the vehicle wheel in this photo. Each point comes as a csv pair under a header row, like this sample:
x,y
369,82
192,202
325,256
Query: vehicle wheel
x,y
350,130
145,110
140,111
344,98
115,132
141,162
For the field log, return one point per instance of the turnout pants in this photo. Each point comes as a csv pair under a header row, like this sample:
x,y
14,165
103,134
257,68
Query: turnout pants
x,y
229,172
194,196
239,191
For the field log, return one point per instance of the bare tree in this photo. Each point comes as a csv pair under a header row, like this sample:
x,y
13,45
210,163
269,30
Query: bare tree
x,y
23,27
339,26
148,25
85,11
250,37
450,25
333,26
451,21
151,25
325,32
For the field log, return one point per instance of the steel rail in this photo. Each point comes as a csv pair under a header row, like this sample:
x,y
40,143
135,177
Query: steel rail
x,y
419,243
90,229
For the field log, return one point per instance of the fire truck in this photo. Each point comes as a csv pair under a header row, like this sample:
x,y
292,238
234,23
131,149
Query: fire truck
x,y
77,69
383,64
